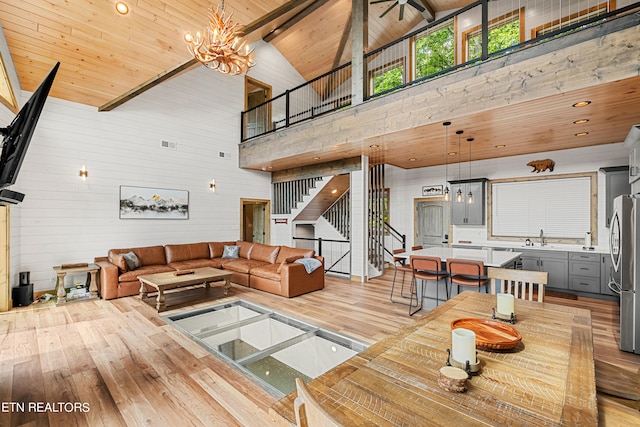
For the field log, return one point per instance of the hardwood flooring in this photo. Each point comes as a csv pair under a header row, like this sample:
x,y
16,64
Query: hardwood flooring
x,y
121,365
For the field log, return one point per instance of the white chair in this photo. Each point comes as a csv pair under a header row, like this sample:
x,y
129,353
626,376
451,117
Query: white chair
x,y
520,283
307,404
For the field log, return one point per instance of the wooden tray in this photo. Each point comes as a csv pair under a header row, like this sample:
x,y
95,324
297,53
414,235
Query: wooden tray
x,y
490,335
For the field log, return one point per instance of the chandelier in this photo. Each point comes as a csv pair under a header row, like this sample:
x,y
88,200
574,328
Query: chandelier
x,y
221,47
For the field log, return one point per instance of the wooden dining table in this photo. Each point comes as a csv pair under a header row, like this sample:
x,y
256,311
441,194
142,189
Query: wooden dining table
x,y
548,379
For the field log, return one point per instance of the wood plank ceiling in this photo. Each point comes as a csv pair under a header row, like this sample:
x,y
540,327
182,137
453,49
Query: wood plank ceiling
x,y
104,56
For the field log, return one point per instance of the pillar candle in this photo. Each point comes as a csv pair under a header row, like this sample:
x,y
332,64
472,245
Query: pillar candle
x,y
463,345
506,304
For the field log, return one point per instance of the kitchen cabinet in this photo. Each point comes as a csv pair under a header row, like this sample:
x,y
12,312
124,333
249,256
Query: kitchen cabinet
x,y
465,213
584,272
616,183
555,263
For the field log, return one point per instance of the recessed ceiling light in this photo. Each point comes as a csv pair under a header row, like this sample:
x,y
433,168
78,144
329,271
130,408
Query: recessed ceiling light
x,y
122,8
582,104
316,158
500,146
334,191
582,133
453,153
373,146
413,159
581,121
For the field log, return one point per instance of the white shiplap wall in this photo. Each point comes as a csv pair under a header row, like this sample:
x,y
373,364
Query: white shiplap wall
x,y
66,220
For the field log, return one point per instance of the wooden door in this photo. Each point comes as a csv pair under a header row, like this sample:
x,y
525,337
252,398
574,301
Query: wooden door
x,y
432,222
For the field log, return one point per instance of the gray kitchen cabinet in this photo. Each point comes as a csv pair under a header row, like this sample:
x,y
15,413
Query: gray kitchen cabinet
x,y
465,213
555,263
616,183
584,272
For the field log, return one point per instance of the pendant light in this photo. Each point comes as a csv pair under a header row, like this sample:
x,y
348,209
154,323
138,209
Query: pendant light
x,y
459,197
470,195
446,160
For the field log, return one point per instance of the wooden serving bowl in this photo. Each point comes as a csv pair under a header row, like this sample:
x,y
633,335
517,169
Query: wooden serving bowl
x,y
490,335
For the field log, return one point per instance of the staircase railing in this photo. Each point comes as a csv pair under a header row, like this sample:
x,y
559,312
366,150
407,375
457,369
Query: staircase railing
x,y
287,194
339,215
336,253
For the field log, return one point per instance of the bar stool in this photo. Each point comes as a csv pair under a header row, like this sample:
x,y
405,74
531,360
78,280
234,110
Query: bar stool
x,y
426,268
401,264
464,272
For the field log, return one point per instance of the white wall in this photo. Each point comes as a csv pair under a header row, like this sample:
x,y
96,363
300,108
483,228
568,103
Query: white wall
x,y
406,185
65,220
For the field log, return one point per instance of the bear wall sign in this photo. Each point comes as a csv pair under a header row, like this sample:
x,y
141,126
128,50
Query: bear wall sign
x,y
542,165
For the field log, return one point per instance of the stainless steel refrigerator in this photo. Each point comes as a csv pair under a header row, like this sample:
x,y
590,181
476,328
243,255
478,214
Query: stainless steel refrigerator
x,y
625,249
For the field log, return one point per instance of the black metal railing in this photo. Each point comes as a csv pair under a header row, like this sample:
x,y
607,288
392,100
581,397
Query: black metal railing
x,y
397,60
339,215
287,194
336,253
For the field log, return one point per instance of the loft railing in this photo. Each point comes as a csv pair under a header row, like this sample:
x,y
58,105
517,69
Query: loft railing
x,y
482,30
286,195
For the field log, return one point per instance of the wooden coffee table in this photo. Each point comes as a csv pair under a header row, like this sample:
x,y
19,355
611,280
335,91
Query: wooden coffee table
x,y
179,279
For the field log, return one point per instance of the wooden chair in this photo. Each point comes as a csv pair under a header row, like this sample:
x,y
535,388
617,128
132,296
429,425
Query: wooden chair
x,y
520,283
426,268
307,404
465,272
401,264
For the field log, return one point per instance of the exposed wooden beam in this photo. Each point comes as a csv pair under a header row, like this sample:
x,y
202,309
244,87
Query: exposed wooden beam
x,y
294,20
346,34
172,72
429,14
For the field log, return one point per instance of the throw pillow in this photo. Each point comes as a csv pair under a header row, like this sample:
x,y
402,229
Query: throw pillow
x,y
288,261
132,260
230,251
120,262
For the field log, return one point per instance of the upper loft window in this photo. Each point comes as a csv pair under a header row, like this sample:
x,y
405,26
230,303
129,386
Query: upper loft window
x,y
434,50
386,77
571,19
504,31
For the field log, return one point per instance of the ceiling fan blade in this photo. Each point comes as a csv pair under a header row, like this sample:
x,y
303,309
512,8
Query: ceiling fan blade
x,y
389,10
379,1
416,5
401,12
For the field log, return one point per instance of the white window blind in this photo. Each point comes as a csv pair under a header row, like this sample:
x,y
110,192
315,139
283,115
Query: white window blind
x,y
560,207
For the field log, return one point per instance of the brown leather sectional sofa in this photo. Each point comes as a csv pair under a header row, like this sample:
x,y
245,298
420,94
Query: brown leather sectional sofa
x,y
268,268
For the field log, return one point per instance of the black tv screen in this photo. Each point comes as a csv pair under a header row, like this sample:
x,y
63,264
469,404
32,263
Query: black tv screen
x,y
18,134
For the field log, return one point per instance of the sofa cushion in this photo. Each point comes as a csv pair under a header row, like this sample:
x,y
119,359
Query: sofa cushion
x,y
217,248
288,261
264,253
195,263
133,275
245,249
230,252
242,265
268,271
131,260
286,252
184,252
148,255
120,262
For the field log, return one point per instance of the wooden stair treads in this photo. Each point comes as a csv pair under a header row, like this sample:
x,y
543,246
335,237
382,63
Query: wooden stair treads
x,y
616,381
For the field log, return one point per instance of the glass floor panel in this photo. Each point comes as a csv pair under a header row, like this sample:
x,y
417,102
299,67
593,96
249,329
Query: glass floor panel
x,y
271,347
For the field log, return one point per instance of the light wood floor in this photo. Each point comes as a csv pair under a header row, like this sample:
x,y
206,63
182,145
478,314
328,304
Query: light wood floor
x,y
124,366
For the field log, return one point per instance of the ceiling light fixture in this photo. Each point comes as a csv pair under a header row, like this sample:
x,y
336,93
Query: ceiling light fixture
x,y
373,146
500,146
582,104
221,47
412,159
581,121
470,195
122,8
459,197
446,162
582,133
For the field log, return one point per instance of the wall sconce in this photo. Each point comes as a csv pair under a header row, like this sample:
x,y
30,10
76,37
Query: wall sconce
x,y
212,185
84,173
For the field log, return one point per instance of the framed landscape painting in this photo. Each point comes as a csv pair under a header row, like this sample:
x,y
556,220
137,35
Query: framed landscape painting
x,y
153,203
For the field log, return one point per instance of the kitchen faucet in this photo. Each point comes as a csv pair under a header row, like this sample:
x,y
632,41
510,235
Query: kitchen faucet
x,y
542,238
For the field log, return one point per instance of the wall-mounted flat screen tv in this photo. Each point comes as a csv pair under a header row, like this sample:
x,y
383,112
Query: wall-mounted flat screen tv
x,y
16,138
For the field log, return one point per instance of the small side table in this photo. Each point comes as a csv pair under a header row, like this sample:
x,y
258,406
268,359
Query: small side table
x,y
64,269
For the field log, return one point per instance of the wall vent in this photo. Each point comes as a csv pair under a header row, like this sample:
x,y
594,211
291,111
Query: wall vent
x,y
169,145
223,155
